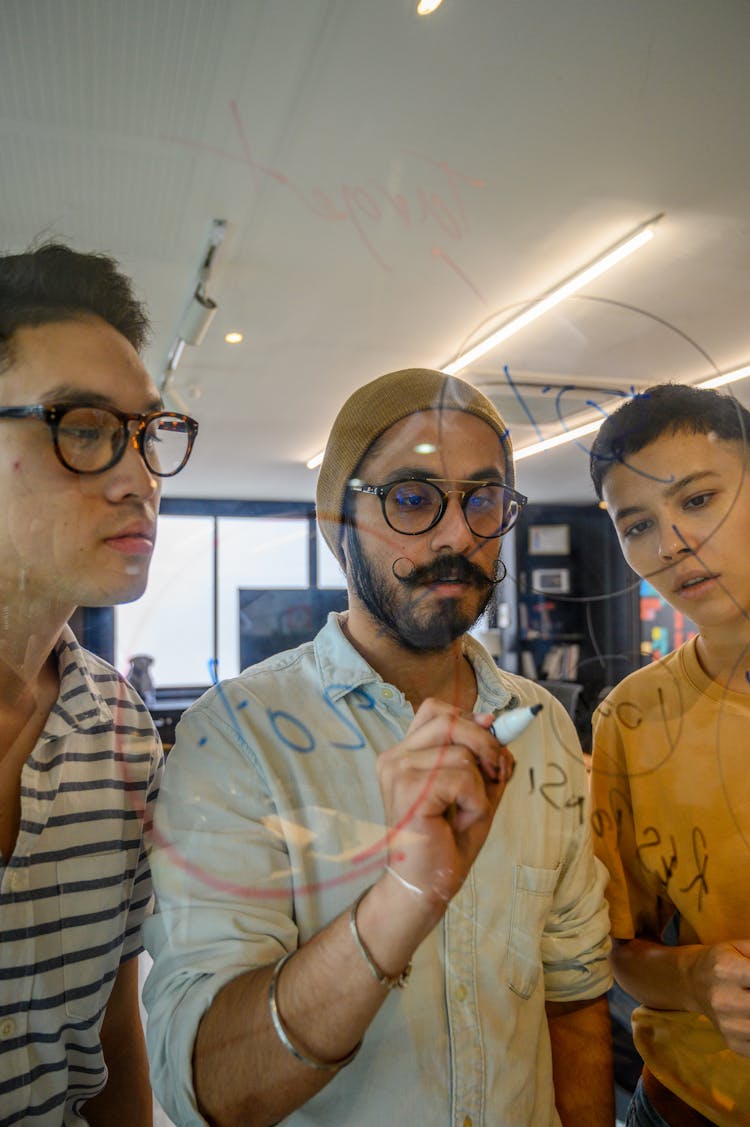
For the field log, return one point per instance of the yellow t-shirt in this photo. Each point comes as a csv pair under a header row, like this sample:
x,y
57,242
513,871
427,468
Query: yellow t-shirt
x,y
671,821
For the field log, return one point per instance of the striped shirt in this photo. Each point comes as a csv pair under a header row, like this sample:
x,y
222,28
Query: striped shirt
x,y
75,892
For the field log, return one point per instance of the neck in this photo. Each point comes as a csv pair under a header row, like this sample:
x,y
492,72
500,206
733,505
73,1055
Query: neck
x,y
725,656
445,674
29,630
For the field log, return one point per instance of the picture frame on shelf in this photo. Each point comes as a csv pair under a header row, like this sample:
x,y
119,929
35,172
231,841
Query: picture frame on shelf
x,y
551,580
549,539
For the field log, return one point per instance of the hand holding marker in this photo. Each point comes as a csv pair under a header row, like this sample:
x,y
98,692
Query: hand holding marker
x,y
510,725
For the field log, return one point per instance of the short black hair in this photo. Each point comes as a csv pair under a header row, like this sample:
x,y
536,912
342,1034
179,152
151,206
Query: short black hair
x,y
666,408
55,283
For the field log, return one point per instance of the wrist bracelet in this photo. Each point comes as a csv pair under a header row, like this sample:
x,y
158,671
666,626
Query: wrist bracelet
x,y
400,980
283,1036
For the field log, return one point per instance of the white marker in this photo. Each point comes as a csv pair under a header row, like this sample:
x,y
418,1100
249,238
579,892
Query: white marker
x,y
509,725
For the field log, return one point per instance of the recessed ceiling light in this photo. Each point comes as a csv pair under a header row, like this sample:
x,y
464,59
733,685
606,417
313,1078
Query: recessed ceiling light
x,y
426,7
234,338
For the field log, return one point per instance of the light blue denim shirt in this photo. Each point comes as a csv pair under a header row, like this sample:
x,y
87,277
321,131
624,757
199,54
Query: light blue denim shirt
x,y
269,824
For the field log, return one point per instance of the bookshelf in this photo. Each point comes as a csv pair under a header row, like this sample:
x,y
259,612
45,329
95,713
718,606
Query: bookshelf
x,y
575,601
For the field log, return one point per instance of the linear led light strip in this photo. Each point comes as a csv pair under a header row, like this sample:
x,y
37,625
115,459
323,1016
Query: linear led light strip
x,y
638,238
589,428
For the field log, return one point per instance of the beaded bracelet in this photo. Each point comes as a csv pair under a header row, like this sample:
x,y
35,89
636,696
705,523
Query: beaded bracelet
x,y
399,980
283,1036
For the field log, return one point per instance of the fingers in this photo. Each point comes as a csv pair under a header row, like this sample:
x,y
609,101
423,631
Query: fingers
x,y
497,769
452,778
441,786
438,726
446,782
727,993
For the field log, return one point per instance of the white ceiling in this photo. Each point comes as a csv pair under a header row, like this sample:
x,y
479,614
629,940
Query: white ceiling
x,y
393,186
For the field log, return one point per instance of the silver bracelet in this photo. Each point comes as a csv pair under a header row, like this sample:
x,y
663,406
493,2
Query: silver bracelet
x,y
283,1036
400,980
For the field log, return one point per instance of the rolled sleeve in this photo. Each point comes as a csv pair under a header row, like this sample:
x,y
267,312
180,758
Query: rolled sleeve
x,y
212,855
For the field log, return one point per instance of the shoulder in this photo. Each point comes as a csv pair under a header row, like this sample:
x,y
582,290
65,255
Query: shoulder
x,y
118,695
650,687
280,669
237,710
102,672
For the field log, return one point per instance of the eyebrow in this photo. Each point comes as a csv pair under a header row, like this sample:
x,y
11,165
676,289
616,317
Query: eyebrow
x,y
670,491
78,396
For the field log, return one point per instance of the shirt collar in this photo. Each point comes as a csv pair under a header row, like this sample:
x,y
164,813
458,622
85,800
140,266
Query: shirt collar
x,y
492,692
80,706
343,669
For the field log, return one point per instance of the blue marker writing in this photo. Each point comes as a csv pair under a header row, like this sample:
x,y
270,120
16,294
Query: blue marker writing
x,y
509,725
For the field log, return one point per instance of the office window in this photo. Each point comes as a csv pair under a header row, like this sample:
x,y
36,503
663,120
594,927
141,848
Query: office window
x,y
329,568
173,620
179,621
261,552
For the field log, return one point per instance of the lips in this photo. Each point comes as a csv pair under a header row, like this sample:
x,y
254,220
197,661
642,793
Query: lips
x,y
694,583
457,571
136,539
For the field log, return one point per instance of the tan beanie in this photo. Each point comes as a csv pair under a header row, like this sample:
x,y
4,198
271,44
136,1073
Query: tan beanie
x,y
369,411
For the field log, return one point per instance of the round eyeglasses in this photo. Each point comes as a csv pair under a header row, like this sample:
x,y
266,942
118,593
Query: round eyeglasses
x,y
90,440
417,504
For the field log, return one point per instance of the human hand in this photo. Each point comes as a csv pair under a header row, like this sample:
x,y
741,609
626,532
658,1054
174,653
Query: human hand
x,y
721,978
441,786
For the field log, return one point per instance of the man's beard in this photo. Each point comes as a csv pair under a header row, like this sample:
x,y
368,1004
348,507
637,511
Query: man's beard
x,y
399,616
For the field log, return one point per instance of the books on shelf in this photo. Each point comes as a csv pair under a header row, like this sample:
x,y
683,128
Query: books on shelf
x,y
560,663
570,661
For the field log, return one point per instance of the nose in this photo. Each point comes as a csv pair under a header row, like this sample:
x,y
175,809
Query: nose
x,y
673,544
131,477
452,532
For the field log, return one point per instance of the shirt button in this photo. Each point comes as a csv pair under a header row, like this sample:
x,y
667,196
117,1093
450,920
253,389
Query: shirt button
x,y
7,1028
461,993
387,694
468,1121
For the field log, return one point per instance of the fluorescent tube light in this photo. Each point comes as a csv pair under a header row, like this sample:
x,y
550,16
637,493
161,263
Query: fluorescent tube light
x,y
638,238
590,427
586,428
314,462
557,440
728,377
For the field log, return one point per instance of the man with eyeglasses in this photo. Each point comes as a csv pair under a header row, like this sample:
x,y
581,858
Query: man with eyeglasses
x,y
85,442
362,918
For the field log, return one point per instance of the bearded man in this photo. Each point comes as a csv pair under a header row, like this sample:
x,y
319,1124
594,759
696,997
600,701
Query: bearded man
x,y
362,918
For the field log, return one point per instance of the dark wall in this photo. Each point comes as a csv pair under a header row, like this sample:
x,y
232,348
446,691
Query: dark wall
x,y
599,613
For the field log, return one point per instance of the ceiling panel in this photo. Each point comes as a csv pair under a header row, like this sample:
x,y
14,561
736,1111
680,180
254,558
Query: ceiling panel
x,y
394,187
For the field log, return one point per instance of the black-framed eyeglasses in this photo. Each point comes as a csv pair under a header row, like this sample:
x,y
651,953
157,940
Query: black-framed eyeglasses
x,y
416,505
90,440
